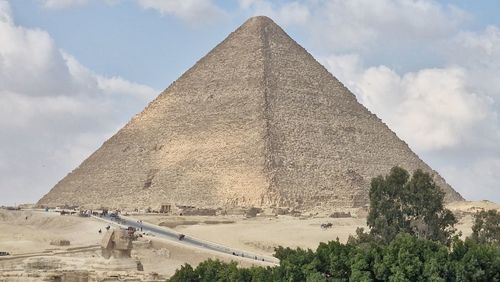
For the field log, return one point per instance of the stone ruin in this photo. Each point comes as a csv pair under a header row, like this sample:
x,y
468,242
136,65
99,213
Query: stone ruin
x,y
116,264
257,122
60,242
341,214
116,243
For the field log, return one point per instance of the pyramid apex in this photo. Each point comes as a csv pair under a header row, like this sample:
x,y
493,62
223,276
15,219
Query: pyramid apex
x,y
256,122
260,20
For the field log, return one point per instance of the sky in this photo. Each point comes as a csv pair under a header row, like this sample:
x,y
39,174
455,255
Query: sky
x,y
73,72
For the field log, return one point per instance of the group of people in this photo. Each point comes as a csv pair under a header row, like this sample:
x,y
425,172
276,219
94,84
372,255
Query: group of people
x,y
243,255
107,228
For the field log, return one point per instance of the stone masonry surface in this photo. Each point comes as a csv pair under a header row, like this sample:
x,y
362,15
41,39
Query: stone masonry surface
x,y
256,122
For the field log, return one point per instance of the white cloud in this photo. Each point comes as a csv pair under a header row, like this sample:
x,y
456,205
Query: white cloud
x,y
339,25
479,52
192,11
30,55
5,13
63,4
486,42
53,111
448,111
431,109
289,13
435,111
92,83
439,113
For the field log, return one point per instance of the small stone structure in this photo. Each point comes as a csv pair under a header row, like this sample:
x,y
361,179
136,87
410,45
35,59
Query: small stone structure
x,y
60,242
116,243
198,211
252,212
166,209
340,214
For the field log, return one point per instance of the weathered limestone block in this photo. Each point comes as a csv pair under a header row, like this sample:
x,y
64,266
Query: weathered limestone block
x,y
257,122
60,242
116,243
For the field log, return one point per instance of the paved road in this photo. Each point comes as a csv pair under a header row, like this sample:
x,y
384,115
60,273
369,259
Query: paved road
x,y
170,234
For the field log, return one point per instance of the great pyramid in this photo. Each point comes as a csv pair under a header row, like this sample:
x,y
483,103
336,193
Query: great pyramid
x,y
256,122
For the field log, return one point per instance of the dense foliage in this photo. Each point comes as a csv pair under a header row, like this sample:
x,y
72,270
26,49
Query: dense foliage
x,y
486,228
399,204
410,239
406,258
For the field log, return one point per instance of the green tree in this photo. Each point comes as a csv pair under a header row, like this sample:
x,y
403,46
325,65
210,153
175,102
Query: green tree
x,y
333,259
486,228
473,261
410,240
408,258
363,259
185,274
295,265
215,270
261,274
400,204
212,270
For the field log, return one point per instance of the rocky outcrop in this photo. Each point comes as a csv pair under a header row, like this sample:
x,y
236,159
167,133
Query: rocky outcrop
x,y
257,122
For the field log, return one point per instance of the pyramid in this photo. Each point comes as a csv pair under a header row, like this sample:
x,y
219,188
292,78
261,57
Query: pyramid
x,y
256,122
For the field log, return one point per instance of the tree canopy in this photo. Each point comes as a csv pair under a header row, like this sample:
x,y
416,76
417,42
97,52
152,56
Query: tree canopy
x,y
406,258
486,228
410,239
400,204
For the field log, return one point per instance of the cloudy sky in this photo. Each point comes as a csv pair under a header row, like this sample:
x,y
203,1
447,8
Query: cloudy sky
x,y
72,72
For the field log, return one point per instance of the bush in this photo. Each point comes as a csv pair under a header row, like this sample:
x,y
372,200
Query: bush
x,y
486,228
406,258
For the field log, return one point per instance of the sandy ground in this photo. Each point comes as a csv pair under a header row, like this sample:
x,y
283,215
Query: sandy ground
x,y
261,234
465,211
32,236
472,206
20,235
29,239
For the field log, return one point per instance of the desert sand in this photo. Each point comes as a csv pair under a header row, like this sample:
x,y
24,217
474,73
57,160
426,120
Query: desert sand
x,y
28,240
262,234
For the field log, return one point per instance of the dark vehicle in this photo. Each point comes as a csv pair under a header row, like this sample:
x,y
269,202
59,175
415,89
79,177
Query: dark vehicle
x,y
326,225
181,237
4,254
84,214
